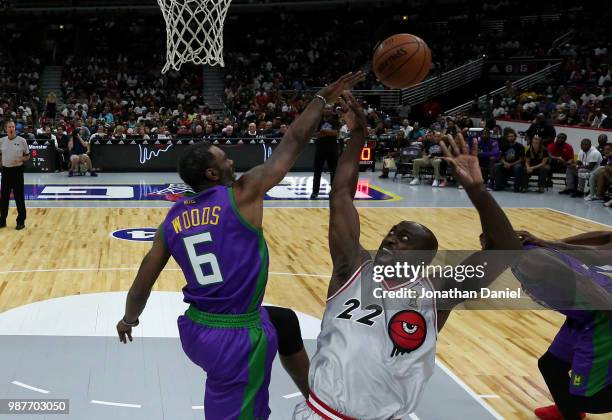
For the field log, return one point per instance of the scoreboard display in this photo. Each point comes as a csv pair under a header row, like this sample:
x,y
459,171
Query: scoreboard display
x,y
42,156
366,158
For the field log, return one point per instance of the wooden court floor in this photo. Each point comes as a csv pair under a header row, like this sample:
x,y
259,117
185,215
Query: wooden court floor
x,y
493,352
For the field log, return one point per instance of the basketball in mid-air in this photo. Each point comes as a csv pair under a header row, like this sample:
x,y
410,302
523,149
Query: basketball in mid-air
x,y
401,61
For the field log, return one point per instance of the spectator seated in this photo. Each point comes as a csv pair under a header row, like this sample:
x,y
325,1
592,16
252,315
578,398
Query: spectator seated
x,y
579,171
406,157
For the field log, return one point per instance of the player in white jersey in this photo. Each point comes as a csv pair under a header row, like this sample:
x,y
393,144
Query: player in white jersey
x,y
375,355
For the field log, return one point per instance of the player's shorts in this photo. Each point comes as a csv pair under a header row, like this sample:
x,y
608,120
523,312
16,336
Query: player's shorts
x,y
304,412
588,348
236,352
315,409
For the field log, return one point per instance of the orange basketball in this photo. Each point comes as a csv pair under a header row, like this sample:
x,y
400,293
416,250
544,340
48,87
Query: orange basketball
x,y
401,61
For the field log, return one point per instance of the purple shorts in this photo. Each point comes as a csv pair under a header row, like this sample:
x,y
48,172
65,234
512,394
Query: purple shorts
x,y
238,364
587,347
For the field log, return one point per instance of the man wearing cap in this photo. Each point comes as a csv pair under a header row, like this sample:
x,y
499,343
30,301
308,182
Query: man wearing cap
x,y
542,129
15,152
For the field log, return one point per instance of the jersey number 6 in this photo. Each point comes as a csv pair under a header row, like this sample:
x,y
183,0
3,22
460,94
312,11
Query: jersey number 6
x,y
197,261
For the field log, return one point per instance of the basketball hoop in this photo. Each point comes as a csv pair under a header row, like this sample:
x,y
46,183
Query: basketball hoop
x,y
194,31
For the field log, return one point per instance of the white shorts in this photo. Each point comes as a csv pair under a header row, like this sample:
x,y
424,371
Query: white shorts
x,y
315,409
304,412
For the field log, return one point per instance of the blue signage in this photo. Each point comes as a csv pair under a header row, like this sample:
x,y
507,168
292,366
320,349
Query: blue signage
x,y
135,234
291,188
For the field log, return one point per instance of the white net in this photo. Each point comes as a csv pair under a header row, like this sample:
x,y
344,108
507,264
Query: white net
x,y
194,31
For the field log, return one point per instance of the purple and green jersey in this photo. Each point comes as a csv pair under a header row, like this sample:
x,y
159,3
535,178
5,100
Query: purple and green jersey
x,y
585,339
223,257
225,331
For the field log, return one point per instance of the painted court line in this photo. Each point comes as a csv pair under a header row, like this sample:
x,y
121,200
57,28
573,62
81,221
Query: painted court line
x,y
116,404
295,394
30,387
82,269
578,217
469,390
276,273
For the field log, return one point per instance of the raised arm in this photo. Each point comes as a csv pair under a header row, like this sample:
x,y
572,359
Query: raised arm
x,y
250,189
254,183
496,228
600,239
343,217
592,248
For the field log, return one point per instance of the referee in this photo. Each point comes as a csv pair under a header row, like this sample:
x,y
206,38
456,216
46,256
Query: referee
x,y
326,149
14,151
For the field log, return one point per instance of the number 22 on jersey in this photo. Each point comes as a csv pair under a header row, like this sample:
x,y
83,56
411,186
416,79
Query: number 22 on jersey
x,y
368,319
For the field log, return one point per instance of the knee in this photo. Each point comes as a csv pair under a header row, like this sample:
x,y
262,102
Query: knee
x,y
288,331
543,364
550,365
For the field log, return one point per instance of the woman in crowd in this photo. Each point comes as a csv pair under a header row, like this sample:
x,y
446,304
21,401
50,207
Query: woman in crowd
x,y
536,163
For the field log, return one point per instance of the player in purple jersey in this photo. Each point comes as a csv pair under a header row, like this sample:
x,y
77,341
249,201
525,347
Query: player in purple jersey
x,y
577,367
216,238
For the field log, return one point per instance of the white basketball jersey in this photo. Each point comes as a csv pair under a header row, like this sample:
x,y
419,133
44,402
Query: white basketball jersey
x,y
373,359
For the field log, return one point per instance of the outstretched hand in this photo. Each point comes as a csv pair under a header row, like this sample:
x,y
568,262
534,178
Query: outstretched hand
x,y
464,161
332,92
352,112
529,238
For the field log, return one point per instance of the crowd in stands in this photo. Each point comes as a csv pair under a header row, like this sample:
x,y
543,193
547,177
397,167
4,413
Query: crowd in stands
x,y
505,162
273,55
20,71
579,93
272,60
114,90
19,90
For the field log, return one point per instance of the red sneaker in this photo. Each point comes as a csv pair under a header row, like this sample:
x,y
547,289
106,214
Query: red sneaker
x,y
551,413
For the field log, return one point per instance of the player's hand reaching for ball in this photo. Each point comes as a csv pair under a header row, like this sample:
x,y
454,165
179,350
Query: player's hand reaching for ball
x,y
332,92
464,161
352,112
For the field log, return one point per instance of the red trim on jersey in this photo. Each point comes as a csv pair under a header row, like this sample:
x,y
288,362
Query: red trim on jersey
x,y
349,281
399,286
324,410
